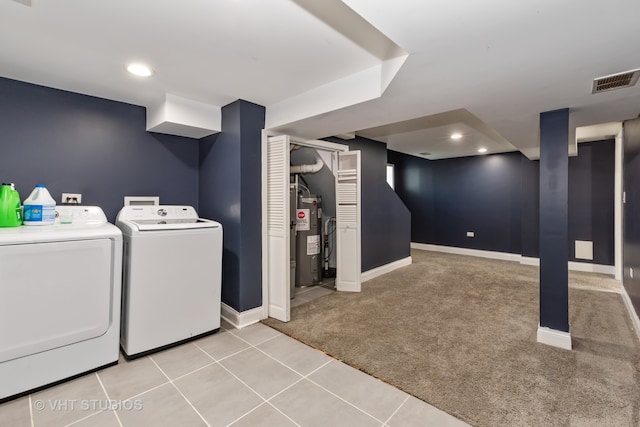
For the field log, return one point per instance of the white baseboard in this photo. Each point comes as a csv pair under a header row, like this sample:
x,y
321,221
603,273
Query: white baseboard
x,y
592,268
384,269
505,256
530,261
241,319
577,266
632,311
554,337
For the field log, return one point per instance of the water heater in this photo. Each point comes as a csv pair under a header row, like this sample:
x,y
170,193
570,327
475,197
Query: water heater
x,y
309,241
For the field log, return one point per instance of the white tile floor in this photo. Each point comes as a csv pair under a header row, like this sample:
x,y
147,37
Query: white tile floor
x,y
255,376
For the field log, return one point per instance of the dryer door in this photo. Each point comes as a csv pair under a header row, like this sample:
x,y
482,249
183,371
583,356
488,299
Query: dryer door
x,y
53,294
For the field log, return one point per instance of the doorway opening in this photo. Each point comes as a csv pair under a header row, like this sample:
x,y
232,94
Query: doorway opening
x,y
311,219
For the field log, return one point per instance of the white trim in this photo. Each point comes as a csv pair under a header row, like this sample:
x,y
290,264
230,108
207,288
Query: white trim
x,y
554,337
526,260
576,266
384,269
592,268
263,205
464,251
316,143
505,256
617,208
325,145
632,311
241,319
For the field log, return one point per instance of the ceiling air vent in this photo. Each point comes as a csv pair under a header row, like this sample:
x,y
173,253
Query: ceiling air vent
x,y
615,81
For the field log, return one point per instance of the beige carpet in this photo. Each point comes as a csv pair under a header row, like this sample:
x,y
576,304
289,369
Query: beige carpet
x,y
460,333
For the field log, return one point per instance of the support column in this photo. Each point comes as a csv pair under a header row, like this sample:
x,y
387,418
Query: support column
x,y
554,213
230,193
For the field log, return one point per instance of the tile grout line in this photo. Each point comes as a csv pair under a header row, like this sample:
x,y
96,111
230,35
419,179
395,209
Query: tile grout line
x,y
225,357
31,411
246,385
282,363
261,342
296,382
285,415
109,398
179,391
397,409
303,377
94,413
251,388
146,391
344,400
267,403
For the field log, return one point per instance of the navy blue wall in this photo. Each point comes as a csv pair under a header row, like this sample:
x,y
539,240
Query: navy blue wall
x,y
631,183
415,185
497,197
386,230
99,148
230,192
591,199
479,194
530,219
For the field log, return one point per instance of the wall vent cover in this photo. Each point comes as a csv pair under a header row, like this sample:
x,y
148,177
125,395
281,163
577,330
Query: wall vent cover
x,y
615,81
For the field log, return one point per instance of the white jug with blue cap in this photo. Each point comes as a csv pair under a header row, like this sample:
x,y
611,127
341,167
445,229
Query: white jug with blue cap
x,y
39,208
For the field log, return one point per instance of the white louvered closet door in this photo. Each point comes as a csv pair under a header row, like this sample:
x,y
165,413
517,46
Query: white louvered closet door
x,y
278,227
348,266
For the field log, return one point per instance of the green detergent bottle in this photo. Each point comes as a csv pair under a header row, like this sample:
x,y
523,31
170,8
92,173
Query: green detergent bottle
x,y
16,202
10,214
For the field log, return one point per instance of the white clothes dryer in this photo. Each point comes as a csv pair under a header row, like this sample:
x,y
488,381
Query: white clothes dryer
x,y
172,277
60,288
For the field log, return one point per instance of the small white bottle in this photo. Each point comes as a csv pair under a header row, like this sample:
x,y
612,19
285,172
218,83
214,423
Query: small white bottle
x,y
39,208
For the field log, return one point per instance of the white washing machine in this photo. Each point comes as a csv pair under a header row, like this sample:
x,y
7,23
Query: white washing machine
x,y
60,288
172,277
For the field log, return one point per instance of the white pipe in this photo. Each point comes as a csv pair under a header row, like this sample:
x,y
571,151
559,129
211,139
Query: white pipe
x,y
308,168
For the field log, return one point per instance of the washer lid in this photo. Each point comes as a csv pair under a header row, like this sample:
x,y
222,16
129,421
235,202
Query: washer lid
x,y
162,217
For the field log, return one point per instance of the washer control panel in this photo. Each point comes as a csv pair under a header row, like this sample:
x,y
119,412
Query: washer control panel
x,y
158,212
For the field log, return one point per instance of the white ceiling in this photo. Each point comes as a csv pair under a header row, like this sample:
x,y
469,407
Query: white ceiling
x,y
332,67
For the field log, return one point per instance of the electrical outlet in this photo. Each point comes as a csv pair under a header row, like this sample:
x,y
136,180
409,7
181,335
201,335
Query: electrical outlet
x,y
71,198
471,234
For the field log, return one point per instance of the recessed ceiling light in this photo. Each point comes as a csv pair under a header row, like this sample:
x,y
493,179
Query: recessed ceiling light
x,y
456,136
482,150
140,70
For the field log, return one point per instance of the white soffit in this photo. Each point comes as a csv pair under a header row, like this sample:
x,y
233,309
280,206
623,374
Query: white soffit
x,y
364,85
184,117
430,136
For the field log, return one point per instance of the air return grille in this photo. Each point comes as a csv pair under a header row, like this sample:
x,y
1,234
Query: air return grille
x,y
615,81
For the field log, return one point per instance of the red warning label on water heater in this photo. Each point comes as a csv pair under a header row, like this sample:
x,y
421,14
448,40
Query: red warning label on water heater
x,y
303,220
